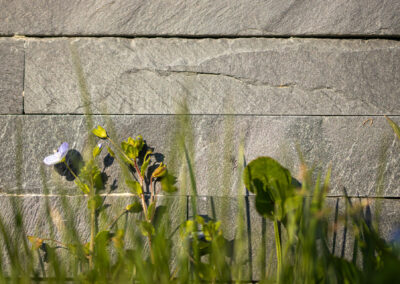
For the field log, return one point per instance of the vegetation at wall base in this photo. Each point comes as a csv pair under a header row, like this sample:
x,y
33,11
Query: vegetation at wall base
x,y
137,246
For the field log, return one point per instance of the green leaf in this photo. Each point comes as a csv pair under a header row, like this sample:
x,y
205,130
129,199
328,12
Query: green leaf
x,y
98,181
168,183
103,237
271,183
146,228
82,186
150,210
100,132
145,164
118,239
135,207
395,127
264,204
95,202
134,186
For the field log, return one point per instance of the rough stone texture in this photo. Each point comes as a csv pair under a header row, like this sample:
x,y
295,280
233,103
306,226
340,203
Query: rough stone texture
x,y
210,17
357,152
214,76
11,76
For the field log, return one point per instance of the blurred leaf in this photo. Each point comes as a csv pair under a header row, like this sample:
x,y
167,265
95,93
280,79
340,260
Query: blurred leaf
x,y
395,127
150,210
187,228
135,207
118,239
200,220
103,237
146,228
95,202
168,183
134,186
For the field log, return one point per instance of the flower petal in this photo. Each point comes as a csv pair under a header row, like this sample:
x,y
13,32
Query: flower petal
x,y
63,149
52,159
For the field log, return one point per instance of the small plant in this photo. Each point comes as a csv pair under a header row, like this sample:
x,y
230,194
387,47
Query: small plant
x,y
90,180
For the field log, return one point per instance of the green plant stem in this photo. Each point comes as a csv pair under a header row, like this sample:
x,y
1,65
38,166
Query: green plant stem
x,y
139,174
278,249
71,171
92,225
92,231
116,219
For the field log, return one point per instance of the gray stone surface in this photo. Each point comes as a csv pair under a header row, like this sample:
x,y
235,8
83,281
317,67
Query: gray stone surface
x,y
11,76
215,76
357,152
210,17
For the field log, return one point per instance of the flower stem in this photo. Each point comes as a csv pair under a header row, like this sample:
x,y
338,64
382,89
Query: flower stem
x,y
71,171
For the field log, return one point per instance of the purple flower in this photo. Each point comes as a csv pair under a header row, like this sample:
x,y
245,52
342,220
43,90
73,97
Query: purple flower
x,y
58,156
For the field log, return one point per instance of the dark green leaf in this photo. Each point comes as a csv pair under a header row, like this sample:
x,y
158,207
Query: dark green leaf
x,y
271,183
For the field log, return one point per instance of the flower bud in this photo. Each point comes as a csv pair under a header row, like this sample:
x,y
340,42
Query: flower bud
x,y
97,150
100,132
160,171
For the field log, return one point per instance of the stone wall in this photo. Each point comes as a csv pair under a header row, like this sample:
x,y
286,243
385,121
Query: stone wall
x,y
275,74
